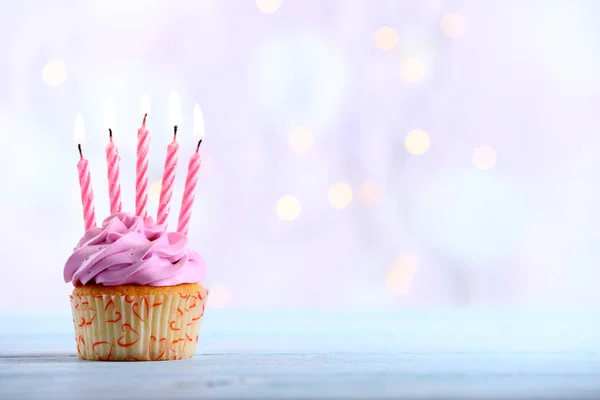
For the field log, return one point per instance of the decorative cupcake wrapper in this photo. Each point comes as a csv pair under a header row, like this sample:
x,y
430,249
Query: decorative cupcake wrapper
x,y
137,328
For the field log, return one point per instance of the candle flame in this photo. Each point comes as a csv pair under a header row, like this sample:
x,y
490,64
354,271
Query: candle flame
x,y
79,130
174,109
198,122
110,116
144,106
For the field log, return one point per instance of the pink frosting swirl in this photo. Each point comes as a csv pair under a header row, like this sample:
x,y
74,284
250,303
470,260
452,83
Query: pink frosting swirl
x,y
128,250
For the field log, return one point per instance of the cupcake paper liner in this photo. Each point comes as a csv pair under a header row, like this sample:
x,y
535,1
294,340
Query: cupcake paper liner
x,y
137,328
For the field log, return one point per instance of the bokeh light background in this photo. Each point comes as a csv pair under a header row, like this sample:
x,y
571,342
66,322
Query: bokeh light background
x,y
358,153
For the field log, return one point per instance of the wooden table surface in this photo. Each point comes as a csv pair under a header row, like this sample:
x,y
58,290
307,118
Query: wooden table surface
x,y
294,354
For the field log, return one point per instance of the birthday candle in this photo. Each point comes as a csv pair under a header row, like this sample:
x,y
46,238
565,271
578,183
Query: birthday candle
x,y
112,160
143,147
185,213
85,181
166,192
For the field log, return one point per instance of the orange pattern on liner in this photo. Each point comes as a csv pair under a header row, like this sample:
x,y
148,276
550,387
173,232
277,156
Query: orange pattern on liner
x,y
140,333
126,328
135,312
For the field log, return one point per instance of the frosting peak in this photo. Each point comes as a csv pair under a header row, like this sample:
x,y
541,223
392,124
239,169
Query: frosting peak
x,y
131,250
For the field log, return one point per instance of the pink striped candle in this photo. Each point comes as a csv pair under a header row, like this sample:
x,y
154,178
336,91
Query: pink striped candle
x,y
166,192
87,194
141,180
85,181
114,185
185,213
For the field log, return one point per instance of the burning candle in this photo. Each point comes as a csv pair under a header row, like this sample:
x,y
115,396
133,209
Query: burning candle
x,y
143,147
192,176
112,160
85,181
166,192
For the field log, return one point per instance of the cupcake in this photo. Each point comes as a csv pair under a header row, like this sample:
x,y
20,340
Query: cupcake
x,y
137,295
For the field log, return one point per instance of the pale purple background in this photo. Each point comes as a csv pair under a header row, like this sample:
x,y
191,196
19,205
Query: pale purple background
x,y
523,78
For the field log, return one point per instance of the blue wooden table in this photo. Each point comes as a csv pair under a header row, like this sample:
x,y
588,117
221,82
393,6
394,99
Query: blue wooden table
x,y
359,354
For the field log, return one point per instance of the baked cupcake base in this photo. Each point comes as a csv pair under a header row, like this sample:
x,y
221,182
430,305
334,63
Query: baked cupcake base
x,y
137,323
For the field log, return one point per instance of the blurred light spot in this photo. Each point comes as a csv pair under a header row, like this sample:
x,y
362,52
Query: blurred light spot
x,y
288,208
340,195
452,25
386,38
268,6
301,139
154,191
54,73
400,278
417,142
412,69
484,157
370,193
218,296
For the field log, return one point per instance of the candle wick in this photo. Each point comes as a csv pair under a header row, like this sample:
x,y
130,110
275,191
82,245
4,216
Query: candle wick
x,y
80,152
110,134
144,121
175,132
198,147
